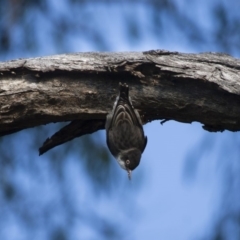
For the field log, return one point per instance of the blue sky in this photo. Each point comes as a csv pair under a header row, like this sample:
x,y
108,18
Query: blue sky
x,y
176,208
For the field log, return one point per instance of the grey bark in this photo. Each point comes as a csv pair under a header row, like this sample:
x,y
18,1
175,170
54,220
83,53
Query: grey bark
x,y
82,87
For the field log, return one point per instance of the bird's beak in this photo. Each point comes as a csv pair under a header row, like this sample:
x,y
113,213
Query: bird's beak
x,y
129,174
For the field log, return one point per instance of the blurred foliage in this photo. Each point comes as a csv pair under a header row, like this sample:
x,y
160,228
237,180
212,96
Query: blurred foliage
x,y
226,222
48,197
40,192
33,28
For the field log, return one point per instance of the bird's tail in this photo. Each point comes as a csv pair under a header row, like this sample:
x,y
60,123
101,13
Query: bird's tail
x,y
123,92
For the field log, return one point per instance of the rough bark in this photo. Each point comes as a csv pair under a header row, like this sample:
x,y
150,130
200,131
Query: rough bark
x,y
82,87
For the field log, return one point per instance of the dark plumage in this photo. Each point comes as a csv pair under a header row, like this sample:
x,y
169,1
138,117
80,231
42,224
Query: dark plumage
x,y
125,136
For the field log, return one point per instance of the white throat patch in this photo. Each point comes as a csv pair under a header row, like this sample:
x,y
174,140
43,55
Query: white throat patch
x,y
121,162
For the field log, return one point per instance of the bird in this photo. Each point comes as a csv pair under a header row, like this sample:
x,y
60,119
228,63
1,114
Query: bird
x,y
124,131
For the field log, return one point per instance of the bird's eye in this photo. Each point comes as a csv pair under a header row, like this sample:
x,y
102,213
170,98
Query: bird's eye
x,y
128,162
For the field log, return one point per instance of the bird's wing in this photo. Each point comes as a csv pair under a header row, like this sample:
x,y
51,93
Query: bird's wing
x,y
123,109
145,143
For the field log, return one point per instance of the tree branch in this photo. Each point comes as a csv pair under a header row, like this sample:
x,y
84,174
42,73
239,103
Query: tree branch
x,y
75,129
83,86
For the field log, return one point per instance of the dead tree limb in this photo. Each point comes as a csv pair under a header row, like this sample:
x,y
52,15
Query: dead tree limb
x,y
82,87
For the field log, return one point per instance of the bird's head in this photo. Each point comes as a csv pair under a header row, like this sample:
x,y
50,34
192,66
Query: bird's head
x,y
129,159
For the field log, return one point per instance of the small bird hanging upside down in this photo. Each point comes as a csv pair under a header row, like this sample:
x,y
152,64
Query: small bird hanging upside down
x,y
125,136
